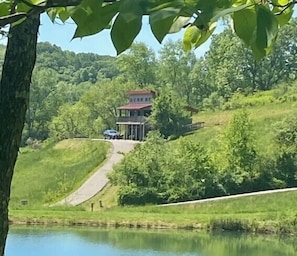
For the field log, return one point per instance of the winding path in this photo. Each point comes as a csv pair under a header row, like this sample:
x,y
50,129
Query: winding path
x,y
99,179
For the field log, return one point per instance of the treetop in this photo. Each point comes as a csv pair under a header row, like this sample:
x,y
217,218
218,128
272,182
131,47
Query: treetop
x,y
256,22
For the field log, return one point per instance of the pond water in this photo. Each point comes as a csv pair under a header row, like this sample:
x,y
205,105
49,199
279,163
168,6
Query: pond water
x,y
131,242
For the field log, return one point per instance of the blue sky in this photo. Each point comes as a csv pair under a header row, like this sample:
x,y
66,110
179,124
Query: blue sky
x,y
61,35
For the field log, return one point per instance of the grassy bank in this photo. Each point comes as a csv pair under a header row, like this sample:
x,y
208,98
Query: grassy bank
x,y
49,173
270,213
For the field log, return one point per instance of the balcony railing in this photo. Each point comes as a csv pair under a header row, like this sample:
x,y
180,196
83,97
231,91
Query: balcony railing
x,y
131,119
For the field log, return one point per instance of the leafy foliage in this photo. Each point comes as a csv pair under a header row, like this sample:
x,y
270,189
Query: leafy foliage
x,y
138,66
286,163
255,22
240,154
158,173
75,68
168,114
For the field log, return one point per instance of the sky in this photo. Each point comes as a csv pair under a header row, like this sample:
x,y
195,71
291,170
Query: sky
x,y
61,35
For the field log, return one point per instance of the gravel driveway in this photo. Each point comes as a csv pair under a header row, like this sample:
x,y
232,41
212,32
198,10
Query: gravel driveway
x,y
99,179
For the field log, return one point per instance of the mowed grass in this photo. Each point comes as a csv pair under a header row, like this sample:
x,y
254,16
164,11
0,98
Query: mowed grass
x,y
45,175
273,213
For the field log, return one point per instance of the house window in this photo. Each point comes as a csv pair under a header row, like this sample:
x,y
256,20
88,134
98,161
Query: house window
x,y
137,99
141,99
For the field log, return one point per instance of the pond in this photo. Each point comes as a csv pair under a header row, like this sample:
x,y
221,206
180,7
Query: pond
x,y
36,241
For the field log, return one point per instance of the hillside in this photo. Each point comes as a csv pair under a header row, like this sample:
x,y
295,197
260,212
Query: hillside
x,y
71,67
265,120
75,68
49,172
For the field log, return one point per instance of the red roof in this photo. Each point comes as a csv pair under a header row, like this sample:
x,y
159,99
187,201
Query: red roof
x,y
141,92
135,106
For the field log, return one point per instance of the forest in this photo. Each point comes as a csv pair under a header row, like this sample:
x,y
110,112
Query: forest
x,y
76,95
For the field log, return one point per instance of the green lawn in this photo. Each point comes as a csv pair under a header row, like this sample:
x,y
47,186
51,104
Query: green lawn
x,y
50,173
273,213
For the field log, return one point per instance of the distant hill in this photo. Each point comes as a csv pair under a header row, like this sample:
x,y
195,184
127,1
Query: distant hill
x,y
71,67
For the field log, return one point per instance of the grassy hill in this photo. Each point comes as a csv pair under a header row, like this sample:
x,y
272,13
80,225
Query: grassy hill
x,y
263,118
46,174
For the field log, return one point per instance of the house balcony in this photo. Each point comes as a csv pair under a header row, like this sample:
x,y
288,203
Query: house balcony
x,y
131,120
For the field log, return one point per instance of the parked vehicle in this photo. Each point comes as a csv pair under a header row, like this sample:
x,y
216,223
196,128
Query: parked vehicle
x,y
111,134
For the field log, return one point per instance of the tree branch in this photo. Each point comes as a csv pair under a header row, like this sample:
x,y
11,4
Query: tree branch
x,y
35,9
38,9
285,6
14,17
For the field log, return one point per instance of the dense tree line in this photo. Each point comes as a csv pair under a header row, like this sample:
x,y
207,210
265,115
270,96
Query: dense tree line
x,y
75,68
161,172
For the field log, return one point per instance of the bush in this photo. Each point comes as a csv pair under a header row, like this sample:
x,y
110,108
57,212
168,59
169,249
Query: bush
x,y
138,196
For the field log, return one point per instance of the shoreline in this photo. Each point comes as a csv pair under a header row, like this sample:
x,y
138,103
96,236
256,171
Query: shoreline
x,y
267,227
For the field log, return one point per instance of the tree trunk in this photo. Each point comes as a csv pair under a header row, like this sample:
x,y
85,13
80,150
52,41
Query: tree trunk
x,y
14,97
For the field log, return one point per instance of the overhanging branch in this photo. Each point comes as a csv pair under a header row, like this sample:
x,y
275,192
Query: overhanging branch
x,y
35,9
38,9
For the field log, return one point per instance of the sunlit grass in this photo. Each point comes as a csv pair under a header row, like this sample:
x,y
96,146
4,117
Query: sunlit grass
x,y
47,174
263,119
276,212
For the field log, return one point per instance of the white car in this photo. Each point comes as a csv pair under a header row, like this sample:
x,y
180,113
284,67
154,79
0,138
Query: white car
x,y
111,134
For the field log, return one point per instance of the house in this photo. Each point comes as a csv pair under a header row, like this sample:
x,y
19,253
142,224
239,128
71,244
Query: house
x,y
132,121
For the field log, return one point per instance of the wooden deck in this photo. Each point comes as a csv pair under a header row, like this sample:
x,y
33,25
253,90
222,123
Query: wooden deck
x,y
194,126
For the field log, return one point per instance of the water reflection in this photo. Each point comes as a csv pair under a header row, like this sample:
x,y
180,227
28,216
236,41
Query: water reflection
x,y
113,242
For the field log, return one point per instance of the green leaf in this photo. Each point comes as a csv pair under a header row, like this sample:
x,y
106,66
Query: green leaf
x,y
178,24
36,2
191,36
127,24
4,8
21,7
205,34
282,14
267,29
245,23
124,31
52,14
162,20
222,13
93,22
194,37
65,13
